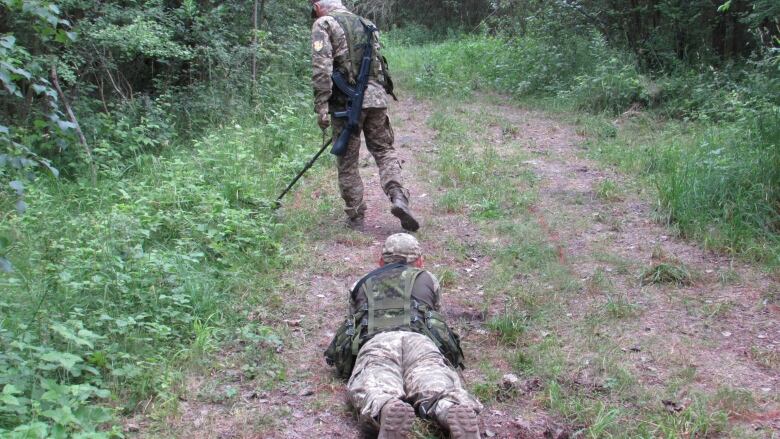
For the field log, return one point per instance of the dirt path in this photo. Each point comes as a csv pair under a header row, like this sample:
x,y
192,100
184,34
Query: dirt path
x,y
722,326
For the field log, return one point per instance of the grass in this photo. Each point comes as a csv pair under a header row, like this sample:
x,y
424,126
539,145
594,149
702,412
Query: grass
x,y
716,181
130,285
666,272
509,326
716,184
535,292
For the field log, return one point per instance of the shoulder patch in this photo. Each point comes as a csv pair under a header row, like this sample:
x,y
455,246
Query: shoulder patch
x,y
318,45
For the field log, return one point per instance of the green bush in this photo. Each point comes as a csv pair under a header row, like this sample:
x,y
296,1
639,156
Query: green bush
x,y
111,285
726,189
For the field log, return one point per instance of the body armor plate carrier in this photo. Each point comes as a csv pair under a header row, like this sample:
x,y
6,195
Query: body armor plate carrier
x,y
385,302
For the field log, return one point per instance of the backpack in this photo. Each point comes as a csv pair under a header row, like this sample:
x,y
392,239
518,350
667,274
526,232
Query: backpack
x,y
389,306
355,35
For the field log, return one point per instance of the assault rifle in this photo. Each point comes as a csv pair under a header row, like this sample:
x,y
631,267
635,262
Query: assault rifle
x,y
354,94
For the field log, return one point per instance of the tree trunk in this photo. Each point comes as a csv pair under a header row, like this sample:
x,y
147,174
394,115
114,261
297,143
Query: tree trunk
x,y
254,44
83,140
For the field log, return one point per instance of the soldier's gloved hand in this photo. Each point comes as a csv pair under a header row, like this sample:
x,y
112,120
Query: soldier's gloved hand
x,y
323,120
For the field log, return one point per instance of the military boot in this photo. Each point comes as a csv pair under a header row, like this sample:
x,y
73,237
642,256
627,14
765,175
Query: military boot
x,y
356,223
401,209
356,217
395,420
462,423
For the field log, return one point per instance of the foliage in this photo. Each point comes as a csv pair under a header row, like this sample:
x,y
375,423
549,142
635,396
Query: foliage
x,y
111,286
109,289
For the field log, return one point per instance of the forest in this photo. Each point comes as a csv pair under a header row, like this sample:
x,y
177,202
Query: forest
x,y
142,143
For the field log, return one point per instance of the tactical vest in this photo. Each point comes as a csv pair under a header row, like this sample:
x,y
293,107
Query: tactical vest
x,y
383,301
356,36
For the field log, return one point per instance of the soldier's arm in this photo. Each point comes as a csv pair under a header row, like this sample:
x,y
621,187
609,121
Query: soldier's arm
x,y
322,64
436,292
352,308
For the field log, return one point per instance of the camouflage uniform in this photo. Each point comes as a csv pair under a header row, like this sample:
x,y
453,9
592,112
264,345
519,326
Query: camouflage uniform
x,y
330,50
406,365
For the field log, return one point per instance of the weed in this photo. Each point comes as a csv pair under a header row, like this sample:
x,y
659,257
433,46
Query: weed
x,y
509,326
447,277
766,357
717,309
608,191
695,420
665,272
620,307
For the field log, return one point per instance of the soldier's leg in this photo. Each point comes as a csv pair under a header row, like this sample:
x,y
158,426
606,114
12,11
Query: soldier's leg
x,y
350,184
377,377
431,384
379,141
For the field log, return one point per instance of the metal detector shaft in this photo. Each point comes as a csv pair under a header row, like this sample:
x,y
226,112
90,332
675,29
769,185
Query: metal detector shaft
x,y
303,171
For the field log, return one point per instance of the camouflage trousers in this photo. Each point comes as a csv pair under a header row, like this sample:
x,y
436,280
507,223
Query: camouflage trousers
x,y
375,125
407,366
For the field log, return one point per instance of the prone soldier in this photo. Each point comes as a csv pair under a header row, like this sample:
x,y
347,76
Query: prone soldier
x,y
398,352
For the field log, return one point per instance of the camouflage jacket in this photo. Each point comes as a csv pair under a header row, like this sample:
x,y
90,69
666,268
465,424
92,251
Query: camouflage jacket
x,y
329,50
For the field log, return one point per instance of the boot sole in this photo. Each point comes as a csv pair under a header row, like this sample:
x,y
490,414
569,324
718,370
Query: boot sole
x,y
463,423
397,423
407,220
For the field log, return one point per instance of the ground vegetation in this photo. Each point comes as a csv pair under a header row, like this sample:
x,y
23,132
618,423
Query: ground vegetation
x,y
141,144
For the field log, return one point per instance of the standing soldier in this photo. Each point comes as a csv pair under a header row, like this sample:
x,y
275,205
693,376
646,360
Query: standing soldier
x,y
337,38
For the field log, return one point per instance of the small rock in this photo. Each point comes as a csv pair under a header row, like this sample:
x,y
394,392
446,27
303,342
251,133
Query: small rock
x,y
490,433
306,391
672,406
510,381
321,296
726,334
761,336
132,427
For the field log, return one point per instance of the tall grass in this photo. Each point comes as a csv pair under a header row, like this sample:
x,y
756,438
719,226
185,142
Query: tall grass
x,y
708,141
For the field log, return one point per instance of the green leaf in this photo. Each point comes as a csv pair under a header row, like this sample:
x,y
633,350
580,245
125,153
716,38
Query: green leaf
x,y
725,6
36,430
21,207
65,125
62,416
69,335
64,359
8,41
6,266
8,396
17,186
21,72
